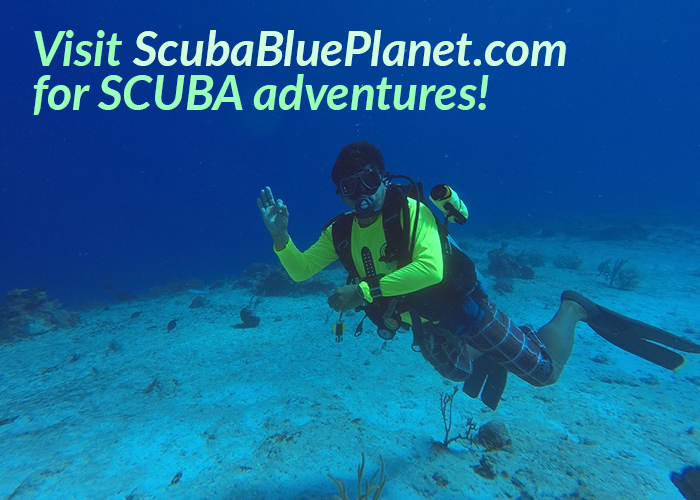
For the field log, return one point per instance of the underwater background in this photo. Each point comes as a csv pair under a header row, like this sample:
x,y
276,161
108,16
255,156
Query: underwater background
x,y
125,217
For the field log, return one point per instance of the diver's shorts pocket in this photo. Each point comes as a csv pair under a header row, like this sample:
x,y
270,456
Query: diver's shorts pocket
x,y
448,357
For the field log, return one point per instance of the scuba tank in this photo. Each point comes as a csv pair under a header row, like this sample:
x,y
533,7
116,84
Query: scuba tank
x,y
449,203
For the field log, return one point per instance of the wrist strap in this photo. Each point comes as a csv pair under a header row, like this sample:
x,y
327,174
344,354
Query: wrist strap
x,y
374,289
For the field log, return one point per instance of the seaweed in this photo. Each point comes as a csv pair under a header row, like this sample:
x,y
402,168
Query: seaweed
x,y
375,490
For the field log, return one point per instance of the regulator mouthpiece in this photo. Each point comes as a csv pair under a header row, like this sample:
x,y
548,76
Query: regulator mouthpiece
x,y
364,206
449,203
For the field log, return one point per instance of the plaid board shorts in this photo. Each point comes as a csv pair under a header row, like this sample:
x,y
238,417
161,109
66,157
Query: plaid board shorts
x,y
481,325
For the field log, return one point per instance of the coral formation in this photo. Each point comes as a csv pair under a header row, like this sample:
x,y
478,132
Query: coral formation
x,y
248,317
568,261
375,490
446,400
617,277
485,468
504,265
28,312
493,435
273,281
504,286
530,258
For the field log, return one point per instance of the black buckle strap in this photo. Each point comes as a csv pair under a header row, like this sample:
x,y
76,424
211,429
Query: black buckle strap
x,y
371,273
342,232
418,332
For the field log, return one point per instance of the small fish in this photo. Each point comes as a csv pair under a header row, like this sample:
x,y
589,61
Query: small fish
x,y
199,292
171,325
135,315
176,479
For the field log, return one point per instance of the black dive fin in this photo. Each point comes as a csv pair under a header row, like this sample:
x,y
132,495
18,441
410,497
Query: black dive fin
x,y
475,381
688,482
641,339
491,376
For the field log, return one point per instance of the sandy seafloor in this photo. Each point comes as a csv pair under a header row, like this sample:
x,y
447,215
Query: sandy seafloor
x,y
268,413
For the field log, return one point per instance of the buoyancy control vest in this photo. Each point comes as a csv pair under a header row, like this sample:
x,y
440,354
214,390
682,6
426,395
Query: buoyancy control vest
x,y
432,303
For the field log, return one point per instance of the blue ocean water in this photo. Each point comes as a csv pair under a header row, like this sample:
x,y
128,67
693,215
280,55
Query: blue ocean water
x,y
134,198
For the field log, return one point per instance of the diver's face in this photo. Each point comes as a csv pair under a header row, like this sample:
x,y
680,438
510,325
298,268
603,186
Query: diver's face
x,y
367,183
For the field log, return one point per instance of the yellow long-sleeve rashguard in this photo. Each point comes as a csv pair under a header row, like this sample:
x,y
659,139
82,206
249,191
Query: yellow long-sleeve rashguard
x,y
425,269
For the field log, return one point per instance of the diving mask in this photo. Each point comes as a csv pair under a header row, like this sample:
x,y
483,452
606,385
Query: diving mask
x,y
365,182
361,187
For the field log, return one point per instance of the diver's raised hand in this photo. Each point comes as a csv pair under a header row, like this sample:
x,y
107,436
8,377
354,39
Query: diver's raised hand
x,y
275,217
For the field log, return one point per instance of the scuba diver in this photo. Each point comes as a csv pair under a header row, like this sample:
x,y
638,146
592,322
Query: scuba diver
x,y
404,270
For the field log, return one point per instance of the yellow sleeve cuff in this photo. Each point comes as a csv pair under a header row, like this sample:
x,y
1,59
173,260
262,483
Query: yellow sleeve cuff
x,y
364,287
288,245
